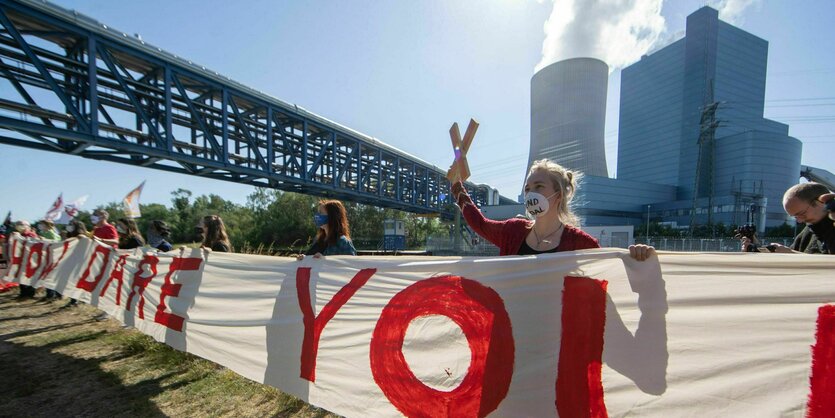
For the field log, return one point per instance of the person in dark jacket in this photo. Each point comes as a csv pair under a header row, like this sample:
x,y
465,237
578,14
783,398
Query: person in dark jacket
x,y
214,234
129,236
333,235
805,203
157,234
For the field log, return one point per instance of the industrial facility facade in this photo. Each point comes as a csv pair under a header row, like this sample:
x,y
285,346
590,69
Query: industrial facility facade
x,y
568,100
694,147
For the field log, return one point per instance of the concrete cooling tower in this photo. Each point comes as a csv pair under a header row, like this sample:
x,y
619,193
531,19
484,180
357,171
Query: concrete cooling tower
x,y
568,113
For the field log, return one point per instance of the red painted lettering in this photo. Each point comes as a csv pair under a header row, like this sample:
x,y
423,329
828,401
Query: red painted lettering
x,y
313,325
480,313
116,274
168,288
16,260
105,257
140,282
822,381
35,249
579,387
50,266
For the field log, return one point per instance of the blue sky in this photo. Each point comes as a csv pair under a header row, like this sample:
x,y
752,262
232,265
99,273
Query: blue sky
x,y
402,72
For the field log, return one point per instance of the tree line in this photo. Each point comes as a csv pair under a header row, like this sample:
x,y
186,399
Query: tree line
x,y
274,219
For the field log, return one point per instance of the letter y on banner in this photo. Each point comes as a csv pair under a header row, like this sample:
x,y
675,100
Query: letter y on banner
x,y
313,325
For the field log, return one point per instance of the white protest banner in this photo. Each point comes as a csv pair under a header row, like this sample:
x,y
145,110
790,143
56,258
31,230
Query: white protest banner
x,y
590,333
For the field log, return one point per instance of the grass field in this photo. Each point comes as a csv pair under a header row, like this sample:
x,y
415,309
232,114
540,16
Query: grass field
x,y
61,361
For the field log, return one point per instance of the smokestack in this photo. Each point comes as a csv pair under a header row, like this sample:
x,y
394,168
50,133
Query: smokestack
x,y
568,115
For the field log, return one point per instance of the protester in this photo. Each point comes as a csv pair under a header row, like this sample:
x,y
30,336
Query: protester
x,y
214,234
129,236
333,235
2,249
158,233
102,230
549,190
805,203
25,230
5,229
75,228
47,232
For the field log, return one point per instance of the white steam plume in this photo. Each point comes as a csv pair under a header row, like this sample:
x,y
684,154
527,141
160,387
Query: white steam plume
x,y
731,10
615,31
618,32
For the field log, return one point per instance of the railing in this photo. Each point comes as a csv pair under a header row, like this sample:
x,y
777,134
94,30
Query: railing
x,y
728,244
75,86
480,247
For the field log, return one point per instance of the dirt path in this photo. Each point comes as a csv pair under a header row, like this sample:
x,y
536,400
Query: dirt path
x,y
61,361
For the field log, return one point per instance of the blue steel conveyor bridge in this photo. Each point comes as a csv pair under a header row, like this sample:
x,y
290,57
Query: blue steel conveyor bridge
x,y
76,86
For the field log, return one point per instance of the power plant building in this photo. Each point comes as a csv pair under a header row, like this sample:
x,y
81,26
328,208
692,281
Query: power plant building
x,y
693,144
568,113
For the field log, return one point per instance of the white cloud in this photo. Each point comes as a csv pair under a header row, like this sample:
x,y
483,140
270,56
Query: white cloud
x,y
732,11
615,31
618,32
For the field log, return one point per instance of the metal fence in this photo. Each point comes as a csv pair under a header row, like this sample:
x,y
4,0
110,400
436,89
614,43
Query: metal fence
x,y
446,246
728,244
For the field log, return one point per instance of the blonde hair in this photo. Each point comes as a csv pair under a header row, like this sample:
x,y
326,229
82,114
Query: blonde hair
x,y
565,181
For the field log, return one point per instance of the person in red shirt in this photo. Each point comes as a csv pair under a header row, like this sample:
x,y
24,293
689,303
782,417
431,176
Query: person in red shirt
x,y
103,231
549,189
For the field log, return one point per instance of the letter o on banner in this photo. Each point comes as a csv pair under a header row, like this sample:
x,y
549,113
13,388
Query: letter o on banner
x,y
480,313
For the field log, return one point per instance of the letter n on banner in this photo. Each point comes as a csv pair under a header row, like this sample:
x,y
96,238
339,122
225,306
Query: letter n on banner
x,y
822,396
480,313
313,325
579,381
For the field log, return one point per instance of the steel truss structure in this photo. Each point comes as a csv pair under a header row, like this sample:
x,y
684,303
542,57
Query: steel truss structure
x,y
85,89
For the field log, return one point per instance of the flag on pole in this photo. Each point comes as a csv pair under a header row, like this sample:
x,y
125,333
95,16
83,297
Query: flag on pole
x,y
131,202
55,211
71,210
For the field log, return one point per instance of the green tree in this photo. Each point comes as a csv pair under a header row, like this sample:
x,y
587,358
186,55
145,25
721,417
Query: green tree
x,y
183,219
281,218
152,212
782,231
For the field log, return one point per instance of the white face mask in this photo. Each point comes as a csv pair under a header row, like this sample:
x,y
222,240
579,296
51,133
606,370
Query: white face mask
x,y
70,228
120,230
94,219
536,204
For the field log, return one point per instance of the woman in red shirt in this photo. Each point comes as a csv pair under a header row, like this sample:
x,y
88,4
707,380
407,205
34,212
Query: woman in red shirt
x,y
549,189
